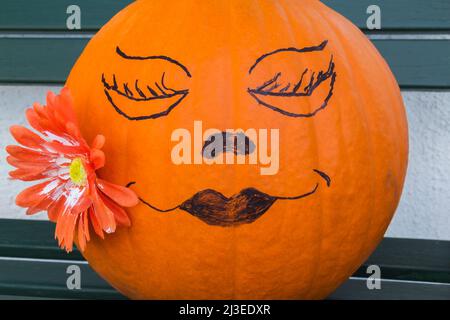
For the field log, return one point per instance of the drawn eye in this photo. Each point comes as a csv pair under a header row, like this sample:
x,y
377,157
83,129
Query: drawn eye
x,y
134,96
141,100
301,95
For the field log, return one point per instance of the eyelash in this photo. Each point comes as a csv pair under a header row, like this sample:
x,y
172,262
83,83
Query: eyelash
x,y
308,90
152,93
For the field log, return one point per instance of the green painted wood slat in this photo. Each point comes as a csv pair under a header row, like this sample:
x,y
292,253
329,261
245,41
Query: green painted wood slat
x,y
47,279
398,15
356,289
51,15
31,239
415,63
430,15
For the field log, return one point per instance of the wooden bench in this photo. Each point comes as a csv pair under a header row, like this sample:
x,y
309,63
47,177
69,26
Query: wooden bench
x,y
37,48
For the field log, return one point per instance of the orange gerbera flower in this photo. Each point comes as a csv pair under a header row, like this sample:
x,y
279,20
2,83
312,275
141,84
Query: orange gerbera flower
x,y
72,194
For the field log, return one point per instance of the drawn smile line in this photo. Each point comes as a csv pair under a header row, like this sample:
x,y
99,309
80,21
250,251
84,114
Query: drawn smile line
x,y
213,208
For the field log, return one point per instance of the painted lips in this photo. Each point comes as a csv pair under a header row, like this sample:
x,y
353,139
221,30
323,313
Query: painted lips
x,y
215,209
248,205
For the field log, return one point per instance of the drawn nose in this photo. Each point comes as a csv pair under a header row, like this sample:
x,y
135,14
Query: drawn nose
x,y
222,142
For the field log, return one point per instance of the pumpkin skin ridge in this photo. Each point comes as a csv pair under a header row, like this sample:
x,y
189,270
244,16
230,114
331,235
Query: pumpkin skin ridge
x,y
276,256
360,112
314,138
384,68
308,294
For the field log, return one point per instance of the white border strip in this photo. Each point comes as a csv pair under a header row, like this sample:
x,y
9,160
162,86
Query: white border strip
x,y
403,281
46,35
391,36
43,260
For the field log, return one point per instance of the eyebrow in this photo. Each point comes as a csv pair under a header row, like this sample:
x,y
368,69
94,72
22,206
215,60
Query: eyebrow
x,y
320,47
173,61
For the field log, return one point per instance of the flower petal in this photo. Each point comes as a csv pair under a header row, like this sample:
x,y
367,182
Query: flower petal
x,y
104,215
33,210
43,205
58,147
81,236
43,121
56,208
33,195
65,227
34,119
26,137
25,154
27,174
97,158
32,165
86,225
120,214
51,98
77,199
121,195
74,132
98,142
82,204
65,105
95,223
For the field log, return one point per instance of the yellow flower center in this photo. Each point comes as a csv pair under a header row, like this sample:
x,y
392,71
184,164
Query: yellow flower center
x,y
77,173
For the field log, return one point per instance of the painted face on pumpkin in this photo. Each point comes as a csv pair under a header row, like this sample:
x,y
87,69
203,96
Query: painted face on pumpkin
x,y
295,68
143,100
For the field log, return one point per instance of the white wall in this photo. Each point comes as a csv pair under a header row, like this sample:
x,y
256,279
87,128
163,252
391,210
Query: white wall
x,y
424,211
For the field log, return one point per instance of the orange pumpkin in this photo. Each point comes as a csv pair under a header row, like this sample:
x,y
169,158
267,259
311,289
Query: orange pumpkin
x,y
226,231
